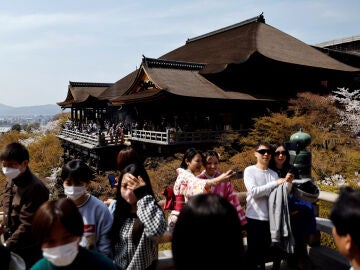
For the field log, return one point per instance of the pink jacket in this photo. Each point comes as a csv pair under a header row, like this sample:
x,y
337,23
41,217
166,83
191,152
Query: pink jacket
x,y
226,190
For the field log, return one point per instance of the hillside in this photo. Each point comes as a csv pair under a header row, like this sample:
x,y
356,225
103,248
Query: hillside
x,y
48,109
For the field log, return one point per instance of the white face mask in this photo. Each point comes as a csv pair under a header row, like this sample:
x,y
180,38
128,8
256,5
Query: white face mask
x,y
74,192
10,173
61,255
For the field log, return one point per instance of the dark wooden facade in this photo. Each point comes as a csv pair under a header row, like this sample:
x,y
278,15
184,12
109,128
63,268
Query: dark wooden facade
x,y
217,81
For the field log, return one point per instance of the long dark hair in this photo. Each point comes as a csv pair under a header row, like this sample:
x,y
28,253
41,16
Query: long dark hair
x,y
190,153
123,208
287,167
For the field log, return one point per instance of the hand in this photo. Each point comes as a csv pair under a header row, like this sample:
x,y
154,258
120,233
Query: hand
x,y
229,174
280,181
131,182
108,201
289,177
224,177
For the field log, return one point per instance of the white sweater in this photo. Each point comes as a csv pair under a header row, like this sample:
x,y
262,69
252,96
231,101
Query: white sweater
x,y
259,184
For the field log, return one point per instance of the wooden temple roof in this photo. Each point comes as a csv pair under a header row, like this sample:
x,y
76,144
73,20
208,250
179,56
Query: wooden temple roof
x,y
235,45
185,71
163,78
81,91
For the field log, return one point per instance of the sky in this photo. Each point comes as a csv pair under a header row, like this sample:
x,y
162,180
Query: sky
x,y
44,44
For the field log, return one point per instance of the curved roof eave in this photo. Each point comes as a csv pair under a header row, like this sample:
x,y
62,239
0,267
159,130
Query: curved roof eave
x,y
279,46
189,83
119,87
136,98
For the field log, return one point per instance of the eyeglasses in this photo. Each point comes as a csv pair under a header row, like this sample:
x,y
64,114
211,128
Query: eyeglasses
x,y
264,151
278,153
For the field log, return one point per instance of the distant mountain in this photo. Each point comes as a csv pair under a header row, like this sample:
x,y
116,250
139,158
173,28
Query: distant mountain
x,y
49,109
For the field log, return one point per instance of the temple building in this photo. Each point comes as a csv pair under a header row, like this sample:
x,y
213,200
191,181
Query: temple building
x,y
214,83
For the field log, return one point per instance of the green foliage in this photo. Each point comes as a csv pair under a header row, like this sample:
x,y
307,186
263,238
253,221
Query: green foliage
x,y
16,127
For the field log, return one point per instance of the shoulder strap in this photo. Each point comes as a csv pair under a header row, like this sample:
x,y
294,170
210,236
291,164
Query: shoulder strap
x,y
10,205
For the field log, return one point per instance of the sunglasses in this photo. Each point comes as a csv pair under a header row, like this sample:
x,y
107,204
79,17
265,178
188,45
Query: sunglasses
x,y
264,151
278,153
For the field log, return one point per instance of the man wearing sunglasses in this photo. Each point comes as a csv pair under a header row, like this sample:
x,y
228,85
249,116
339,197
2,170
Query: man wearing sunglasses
x,y
259,181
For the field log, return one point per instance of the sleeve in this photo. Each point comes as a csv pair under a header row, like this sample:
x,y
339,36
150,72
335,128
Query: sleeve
x,y
151,215
5,203
195,186
256,190
188,184
104,223
32,198
232,197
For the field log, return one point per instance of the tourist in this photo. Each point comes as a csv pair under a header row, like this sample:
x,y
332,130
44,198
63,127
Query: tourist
x,y
58,227
188,185
23,195
76,177
259,181
125,157
302,215
10,260
138,221
208,235
210,160
345,216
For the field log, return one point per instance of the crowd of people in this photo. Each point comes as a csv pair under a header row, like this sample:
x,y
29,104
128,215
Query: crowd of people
x,y
206,221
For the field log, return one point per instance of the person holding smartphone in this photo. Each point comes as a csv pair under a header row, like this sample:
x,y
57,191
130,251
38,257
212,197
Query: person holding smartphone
x,y
211,159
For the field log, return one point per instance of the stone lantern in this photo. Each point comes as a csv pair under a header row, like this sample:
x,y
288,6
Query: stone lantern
x,y
300,157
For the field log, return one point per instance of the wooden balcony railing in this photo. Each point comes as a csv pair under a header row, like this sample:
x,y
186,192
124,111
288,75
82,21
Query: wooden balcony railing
x,y
169,137
89,140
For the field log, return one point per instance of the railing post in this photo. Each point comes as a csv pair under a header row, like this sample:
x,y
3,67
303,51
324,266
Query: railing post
x,y
315,239
168,136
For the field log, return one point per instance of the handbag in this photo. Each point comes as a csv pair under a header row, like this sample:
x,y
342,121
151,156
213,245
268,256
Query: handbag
x,y
169,198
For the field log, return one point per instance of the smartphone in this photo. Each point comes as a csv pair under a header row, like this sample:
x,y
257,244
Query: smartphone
x,y
112,180
238,173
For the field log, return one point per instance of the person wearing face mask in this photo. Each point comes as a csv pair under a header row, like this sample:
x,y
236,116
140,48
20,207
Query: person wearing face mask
x,y
23,195
76,176
58,227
